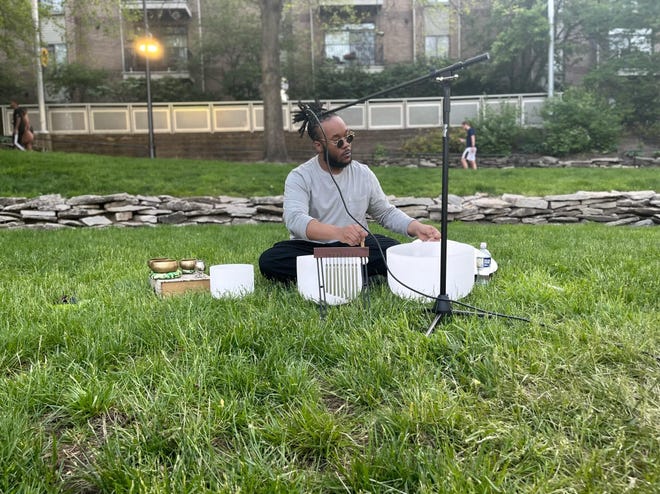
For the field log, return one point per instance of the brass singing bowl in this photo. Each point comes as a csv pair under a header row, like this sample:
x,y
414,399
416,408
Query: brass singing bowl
x,y
163,265
188,264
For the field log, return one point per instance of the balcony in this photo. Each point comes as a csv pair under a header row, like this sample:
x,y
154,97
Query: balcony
x,y
174,63
175,9
355,3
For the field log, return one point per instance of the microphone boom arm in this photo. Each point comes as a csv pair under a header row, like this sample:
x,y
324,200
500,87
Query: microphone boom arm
x,y
436,73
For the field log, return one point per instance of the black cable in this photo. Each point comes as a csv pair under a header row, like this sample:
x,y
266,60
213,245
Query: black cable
x,y
479,311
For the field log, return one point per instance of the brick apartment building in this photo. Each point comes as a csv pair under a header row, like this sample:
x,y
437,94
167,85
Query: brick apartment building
x,y
376,33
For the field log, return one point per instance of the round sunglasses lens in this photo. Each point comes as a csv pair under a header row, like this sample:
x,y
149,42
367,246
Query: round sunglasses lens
x,y
348,139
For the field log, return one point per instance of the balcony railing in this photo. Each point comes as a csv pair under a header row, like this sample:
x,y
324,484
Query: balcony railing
x,y
173,61
176,8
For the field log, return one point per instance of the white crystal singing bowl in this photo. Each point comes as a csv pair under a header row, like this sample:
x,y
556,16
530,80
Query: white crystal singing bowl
x,y
417,265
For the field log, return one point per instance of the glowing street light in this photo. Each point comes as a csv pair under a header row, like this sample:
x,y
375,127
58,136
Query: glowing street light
x,y
150,49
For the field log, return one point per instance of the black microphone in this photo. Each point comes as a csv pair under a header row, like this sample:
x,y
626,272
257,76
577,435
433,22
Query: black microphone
x,y
479,58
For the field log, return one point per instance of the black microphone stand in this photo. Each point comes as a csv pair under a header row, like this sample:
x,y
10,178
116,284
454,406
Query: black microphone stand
x,y
442,307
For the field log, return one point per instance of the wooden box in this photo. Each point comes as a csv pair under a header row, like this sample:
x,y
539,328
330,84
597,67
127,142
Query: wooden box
x,y
186,283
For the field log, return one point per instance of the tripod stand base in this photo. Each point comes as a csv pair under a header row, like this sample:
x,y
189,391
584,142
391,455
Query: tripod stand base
x,y
442,309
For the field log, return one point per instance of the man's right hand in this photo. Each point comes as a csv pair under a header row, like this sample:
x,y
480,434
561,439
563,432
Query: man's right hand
x,y
352,234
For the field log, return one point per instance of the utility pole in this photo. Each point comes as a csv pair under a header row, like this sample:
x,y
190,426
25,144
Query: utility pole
x,y
551,49
43,125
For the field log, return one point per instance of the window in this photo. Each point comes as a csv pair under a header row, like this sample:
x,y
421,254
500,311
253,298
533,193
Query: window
x,y
55,6
57,53
353,43
175,42
626,41
175,54
436,46
436,32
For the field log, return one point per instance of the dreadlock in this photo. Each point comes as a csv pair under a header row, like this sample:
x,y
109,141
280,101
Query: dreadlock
x,y
311,115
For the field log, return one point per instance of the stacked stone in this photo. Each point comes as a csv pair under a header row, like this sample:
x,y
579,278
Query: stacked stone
x,y
519,161
641,208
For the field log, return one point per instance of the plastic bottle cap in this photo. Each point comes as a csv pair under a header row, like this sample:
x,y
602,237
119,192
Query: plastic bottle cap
x,y
483,245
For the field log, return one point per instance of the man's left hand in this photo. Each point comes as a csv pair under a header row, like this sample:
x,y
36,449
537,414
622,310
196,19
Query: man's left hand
x,y
423,232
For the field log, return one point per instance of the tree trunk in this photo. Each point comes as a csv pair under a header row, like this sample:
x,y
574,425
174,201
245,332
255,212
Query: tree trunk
x,y
271,17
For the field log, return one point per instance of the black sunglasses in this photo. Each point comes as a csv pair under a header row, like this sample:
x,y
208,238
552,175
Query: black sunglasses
x,y
340,142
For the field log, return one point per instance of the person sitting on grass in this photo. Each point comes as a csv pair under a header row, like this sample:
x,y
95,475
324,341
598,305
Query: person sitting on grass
x,y
327,200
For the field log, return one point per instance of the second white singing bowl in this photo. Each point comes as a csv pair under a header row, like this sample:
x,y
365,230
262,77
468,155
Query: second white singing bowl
x,y
231,280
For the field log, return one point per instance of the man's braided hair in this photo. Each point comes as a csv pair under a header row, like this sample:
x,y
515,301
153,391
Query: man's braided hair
x,y
311,115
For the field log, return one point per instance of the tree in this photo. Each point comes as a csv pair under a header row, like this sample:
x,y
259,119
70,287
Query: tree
x,y
515,33
231,49
612,40
271,19
618,37
16,29
16,33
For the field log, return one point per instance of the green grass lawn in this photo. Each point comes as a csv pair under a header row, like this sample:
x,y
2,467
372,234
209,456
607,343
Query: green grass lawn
x,y
33,174
126,392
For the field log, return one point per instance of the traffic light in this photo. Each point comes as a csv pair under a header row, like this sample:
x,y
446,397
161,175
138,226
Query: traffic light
x,y
44,57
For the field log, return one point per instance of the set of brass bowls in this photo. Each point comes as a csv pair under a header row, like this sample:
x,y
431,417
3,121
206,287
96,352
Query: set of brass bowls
x,y
168,265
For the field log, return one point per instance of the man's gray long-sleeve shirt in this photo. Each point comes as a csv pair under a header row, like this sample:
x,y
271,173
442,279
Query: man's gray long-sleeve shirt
x,y
309,193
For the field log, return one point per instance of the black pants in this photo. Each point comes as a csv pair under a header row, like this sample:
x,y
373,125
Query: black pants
x,y
279,262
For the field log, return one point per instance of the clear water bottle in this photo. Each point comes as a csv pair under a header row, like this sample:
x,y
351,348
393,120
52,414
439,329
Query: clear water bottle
x,y
483,264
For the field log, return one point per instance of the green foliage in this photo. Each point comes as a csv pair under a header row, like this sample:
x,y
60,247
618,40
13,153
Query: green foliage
x,y
516,36
498,129
635,95
16,33
78,83
16,50
232,50
530,140
164,89
430,142
380,152
498,133
578,122
11,87
352,82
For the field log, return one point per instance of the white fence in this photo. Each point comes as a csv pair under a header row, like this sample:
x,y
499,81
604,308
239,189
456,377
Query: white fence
x,y
172,118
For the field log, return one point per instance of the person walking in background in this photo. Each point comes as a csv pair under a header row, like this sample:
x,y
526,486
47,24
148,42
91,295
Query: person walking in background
x,y
327,200
470,153
22,133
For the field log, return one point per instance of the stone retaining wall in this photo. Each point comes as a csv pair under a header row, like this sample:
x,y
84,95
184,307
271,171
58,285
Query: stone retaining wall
x,y
522,161
640,208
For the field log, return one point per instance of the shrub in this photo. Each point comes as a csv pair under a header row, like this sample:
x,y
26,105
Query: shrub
x,y
578,122
430,142
498,129
529,140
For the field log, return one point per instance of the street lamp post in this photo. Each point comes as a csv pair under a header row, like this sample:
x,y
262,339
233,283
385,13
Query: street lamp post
x,y
149,48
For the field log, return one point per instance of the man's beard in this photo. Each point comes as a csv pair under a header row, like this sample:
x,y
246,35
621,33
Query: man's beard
x,y
333,163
